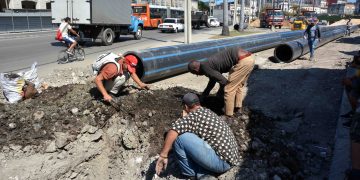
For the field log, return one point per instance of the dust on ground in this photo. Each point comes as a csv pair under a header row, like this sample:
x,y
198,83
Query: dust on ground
x,y
69,133
344,21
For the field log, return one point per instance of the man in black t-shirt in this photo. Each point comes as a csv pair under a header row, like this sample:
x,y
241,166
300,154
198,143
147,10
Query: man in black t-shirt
x,y
238,63
203,143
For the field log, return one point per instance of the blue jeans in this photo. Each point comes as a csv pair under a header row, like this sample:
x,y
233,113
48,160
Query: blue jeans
x,y
312,45
196,157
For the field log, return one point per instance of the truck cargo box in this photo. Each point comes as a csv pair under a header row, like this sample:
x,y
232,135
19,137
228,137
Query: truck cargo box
x,y
92,11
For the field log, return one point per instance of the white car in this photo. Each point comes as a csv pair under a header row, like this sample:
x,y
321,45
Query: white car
x,y
214,22
172,25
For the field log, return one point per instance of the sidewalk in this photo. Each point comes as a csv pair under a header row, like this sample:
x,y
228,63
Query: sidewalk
x,y
341,155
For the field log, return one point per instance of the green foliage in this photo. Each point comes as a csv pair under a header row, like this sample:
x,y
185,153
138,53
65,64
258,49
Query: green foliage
x,y
330,19
203,6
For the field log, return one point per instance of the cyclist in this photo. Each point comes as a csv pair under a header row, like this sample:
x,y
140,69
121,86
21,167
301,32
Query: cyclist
x,y
65,27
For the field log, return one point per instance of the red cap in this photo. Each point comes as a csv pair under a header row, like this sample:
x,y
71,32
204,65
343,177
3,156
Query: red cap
x,y
131,62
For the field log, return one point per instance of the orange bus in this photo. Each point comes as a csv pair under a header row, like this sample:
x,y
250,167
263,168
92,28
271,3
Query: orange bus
x,y
150,17
153,15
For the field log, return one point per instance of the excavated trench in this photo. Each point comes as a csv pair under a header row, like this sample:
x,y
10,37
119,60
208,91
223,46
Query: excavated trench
x,y
264,149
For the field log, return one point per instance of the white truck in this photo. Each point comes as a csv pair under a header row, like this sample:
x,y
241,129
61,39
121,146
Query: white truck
x,y
98,20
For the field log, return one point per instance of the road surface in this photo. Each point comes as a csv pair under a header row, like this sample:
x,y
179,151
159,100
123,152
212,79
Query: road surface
x,y
19,51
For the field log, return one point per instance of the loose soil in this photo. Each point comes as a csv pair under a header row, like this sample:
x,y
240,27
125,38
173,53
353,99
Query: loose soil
x,y
69,108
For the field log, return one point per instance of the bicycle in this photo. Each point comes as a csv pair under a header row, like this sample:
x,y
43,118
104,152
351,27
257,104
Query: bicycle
x,y
78,53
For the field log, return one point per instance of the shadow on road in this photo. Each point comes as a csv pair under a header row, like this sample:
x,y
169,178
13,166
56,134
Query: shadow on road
x,y
302,106
57,44
349,40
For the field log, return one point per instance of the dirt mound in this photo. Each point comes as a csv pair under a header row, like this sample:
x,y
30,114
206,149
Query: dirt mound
x,y
90,139
255,23
344,21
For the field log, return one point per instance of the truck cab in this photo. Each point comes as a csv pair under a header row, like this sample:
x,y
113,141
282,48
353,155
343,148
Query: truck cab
x,y
298,23
272,17
309,15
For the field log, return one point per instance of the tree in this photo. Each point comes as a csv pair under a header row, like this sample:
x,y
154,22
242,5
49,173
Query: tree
x,y
225,29
203,6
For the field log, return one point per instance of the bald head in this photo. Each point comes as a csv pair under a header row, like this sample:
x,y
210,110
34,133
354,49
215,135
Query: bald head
x,y
194,67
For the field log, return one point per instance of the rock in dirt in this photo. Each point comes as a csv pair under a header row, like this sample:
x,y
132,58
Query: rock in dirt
x,y
75,111
51,147
37,127
12,125
92,137
60,139
73,175
230,174
89,129
85,129
86,112
92,130
15,148
38,115
130,140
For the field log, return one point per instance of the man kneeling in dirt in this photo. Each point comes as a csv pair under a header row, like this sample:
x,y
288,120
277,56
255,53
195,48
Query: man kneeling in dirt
x,y
239,63
203,143
114,71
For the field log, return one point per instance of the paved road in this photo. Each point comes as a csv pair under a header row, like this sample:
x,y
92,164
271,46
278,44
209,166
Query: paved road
x,y
19,51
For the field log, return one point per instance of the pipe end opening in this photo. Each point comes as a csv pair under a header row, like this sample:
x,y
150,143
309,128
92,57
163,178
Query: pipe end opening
x,y
283,53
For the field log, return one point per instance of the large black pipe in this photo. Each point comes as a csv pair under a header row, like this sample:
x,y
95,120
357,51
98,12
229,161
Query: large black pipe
x,y
292,50
162,62
354,28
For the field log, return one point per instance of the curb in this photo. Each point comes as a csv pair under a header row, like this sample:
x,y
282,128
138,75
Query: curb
x,y
341,155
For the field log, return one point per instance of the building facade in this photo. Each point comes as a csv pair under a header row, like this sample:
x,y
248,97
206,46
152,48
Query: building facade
x,y
357,7
342,9
25,4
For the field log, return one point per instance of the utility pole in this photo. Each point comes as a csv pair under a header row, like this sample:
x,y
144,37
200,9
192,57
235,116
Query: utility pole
x,y
313,5
242,15
259,8
235,12
6,4
288,6
273,16
187,21
225,29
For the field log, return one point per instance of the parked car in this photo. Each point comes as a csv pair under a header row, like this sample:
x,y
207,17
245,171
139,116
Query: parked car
x,y
172,25
214,22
